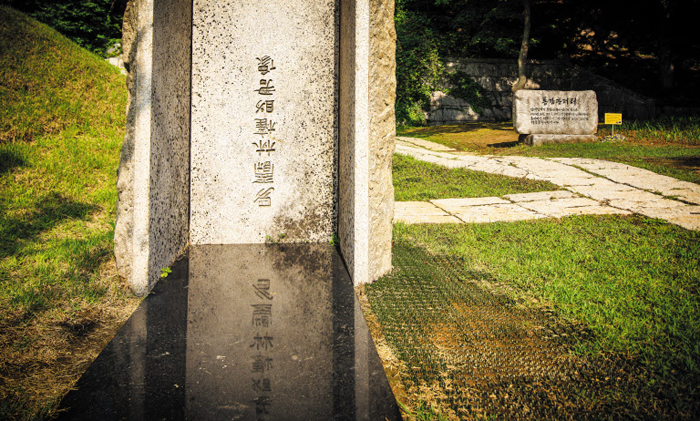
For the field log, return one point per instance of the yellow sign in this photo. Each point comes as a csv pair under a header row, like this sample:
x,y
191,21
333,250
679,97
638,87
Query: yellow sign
x,y
613,118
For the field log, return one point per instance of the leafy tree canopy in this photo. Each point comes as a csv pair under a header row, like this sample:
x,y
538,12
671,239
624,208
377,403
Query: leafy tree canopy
x,y
93,24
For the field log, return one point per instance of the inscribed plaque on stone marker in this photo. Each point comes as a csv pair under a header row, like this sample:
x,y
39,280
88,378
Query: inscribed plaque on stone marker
x,y
555,112
264,125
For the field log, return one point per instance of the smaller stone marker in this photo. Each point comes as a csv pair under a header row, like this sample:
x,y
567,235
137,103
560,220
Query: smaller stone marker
x,y
555,116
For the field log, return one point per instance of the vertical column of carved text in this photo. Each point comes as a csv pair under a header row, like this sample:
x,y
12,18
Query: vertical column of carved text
x,y
264,170
262,346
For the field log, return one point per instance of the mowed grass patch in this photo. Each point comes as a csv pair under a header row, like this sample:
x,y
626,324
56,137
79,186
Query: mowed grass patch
x,y
666,146
633,282
416,180
61,129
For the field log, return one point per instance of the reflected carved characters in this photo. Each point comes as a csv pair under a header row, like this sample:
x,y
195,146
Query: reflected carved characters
x,y
262,343
264,127
557,111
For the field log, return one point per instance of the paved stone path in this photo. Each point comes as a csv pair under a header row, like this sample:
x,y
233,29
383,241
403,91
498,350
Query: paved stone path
x,y
591,186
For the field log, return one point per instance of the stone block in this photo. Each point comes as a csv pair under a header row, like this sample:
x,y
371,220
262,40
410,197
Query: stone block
x,y
546,139
207,159
555,112
152,225
538,196
498,212
263,122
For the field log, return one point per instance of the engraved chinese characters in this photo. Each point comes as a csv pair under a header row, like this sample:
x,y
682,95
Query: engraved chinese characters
x,y
267,346
261,364
264,132
264,170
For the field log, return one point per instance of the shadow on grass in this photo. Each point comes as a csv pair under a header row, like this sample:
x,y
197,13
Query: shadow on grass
x,y
505,144
691,163
50,211
455,128
10,160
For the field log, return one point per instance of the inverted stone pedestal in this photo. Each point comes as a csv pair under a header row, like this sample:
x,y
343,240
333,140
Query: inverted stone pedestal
x,y
544,139
241,332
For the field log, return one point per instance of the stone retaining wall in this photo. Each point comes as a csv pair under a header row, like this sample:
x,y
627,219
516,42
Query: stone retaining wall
x,y
497,76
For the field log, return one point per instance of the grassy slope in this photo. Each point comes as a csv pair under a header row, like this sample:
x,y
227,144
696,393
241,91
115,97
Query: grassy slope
x,y
61,126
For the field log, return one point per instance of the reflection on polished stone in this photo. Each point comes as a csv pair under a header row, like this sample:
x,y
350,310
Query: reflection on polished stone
x,y
242,332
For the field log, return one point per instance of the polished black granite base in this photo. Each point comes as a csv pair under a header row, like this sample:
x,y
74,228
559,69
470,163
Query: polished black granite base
x,y
241,332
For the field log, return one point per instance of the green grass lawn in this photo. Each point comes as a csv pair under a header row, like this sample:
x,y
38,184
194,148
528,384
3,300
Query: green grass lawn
x,y
61,129
670,147
632,283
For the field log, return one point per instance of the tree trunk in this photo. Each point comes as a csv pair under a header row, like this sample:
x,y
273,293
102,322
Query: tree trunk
x,y
664,55
524,47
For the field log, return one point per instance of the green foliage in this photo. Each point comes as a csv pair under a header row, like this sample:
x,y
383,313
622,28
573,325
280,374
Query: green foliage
x,y
430,31
681,130
468,89
462,296
418,66
632,280
49,83
93,24
422,412
650,48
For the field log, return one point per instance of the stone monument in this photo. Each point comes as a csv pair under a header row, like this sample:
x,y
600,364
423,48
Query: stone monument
x,y
555,116
256,122
257,133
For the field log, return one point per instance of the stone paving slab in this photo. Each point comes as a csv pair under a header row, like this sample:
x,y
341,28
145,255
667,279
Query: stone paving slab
x,y
427,219
422,213
687,216
638,178
559,208
627,199
596,210
417,208
458,205
495,213
610,188
543,195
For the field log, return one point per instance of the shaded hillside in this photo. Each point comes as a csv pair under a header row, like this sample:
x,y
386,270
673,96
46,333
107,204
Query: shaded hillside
x,y
61,128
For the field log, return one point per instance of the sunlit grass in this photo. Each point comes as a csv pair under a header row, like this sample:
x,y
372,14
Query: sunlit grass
x,y
420,181
632,282
670,146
